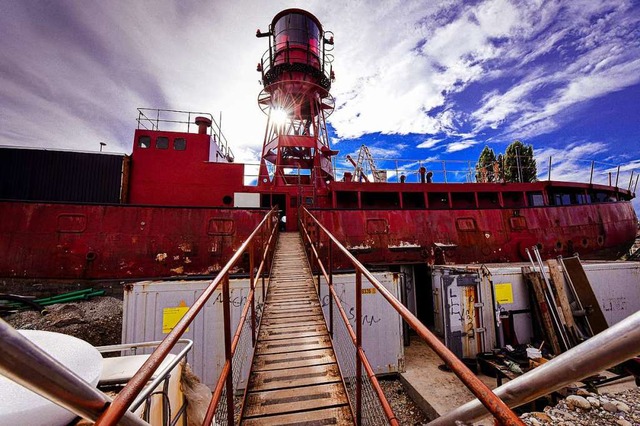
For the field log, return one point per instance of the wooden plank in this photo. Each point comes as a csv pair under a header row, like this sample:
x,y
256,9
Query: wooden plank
x,y
291,334
293,359
328,416
557,279
294,377
297,399
292,345
547,323
583,288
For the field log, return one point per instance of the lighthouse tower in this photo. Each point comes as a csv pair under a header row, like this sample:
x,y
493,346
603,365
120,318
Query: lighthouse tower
x,y
296,78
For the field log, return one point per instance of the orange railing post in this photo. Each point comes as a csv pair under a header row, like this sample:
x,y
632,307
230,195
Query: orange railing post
x,y
358,347
226,312
253,299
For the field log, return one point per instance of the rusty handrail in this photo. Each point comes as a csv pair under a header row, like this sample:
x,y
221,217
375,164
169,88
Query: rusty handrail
x,y
356,338
120,404
494,405
225,375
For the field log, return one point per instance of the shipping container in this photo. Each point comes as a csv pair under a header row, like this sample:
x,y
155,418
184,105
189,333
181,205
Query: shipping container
x,y
149,305
476,308
61,176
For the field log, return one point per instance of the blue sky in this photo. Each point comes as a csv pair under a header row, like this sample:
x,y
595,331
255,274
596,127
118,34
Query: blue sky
x,y
416,80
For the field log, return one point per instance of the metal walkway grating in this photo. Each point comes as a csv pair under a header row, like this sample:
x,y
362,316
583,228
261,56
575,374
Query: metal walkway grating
x,y
294,376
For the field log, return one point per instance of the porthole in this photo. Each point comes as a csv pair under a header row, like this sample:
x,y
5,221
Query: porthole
x,y
144,142
162,142
179,144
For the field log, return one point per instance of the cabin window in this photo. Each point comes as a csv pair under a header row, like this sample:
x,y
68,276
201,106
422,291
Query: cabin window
x,y
162,142
179,144
380,200
346,200
438,200
463,200
488,200
559,199
535,199
513,199
144,142
582,198
413,200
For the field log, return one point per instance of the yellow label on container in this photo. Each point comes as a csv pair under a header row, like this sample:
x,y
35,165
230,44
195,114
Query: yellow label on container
x,y
368,291
504,293
171,316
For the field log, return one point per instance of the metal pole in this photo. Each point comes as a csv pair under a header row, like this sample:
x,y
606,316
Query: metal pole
x,y
358,347
518,164
591,177
550,167
252,285
26,364
636,185
630,181
226,311
330,288
611,347
444,170
617,176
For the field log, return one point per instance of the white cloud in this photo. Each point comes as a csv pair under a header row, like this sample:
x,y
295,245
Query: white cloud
x,y
460,145
80,72
429,143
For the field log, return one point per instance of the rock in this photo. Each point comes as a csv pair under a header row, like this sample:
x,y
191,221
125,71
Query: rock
x,y
610,407
595,403
623,422
578,401
541,416
623,407
582,392
533,422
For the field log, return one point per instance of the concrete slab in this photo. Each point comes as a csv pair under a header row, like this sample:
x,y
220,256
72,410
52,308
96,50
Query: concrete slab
x,y
435,391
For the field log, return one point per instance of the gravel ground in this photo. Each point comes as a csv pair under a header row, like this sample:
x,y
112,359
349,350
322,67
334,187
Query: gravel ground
x,y
406,411
97,321
590,409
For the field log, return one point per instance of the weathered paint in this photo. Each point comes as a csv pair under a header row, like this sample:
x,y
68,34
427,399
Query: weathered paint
x,y
598,231
42,240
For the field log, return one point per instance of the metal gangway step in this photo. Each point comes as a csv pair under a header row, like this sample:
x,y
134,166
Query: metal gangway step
x,y
294,375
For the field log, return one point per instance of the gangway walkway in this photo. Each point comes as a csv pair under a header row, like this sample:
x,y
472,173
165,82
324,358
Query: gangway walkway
x,y
294,376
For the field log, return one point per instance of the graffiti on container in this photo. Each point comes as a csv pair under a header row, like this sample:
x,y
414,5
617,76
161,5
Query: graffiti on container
x,y
615,304
367,320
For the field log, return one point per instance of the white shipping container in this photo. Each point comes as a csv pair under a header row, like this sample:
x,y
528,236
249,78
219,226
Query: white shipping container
x,y
150,303
382,325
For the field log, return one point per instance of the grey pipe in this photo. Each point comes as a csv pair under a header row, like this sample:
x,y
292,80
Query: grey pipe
x,y
611,347
28,365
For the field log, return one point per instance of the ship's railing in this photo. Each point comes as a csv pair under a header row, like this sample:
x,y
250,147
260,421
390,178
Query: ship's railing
x,y
155,119
457,171
237,346
361,386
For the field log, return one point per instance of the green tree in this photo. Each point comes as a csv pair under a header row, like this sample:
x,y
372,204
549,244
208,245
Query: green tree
x,y
519,163
484,166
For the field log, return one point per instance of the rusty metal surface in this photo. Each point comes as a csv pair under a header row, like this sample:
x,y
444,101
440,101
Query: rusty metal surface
x,y
383,236
73,241
294,375
121,403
